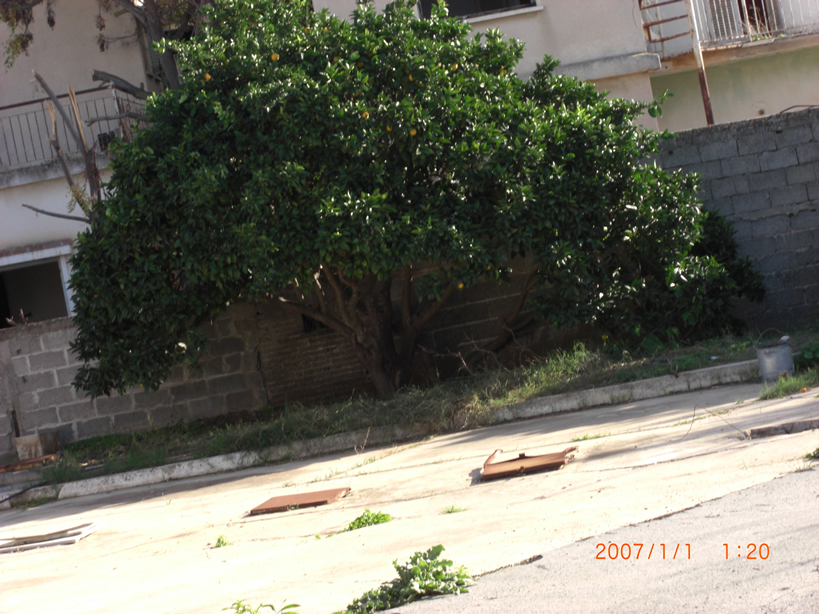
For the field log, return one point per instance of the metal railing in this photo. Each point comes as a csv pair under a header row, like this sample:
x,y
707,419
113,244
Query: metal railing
x,y
25,128
725,22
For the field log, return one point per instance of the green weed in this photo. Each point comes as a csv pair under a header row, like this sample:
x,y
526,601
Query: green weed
x,y
221,542
240,607
423,576
452,510
588,436
367,519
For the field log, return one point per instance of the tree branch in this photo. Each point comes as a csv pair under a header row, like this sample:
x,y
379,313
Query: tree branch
x,y
119,82
60,109
427,309
63,216
136,116
334,323
342,307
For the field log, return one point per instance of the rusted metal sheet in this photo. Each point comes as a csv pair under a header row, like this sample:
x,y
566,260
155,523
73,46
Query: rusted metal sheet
x,y
493,469
306,499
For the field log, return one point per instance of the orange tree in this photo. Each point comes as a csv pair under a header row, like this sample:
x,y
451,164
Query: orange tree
x,y
362,174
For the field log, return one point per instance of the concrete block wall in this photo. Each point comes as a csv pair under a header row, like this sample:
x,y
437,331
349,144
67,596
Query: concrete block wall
x,y
38,368
763,176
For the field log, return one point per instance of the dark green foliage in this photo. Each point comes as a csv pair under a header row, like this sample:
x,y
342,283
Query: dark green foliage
x,y
425,575
808,356
362,173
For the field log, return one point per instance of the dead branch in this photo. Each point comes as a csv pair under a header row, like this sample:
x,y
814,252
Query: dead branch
x,y
76,218
120,83
59,108
137,116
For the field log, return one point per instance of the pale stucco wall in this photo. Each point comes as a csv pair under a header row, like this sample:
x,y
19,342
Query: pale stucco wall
x,y
743,89
68,54
21,227
562,29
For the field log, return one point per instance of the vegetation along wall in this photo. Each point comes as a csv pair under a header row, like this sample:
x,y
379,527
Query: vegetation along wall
x,y
763,176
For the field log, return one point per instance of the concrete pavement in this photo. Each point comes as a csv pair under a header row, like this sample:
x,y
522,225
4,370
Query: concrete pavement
x,y
679,563
637,461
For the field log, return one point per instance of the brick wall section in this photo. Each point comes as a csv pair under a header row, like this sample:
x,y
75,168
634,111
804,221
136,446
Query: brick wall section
x,y
763,175
38,370
306,367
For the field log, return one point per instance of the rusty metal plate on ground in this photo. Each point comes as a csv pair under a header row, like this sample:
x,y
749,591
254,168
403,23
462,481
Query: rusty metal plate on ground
x,y
306,499
493,469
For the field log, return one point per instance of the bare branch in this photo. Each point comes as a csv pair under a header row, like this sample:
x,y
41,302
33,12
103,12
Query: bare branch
x,y
119,82
76,218
137,116
59,108
334,323
55,143
426,309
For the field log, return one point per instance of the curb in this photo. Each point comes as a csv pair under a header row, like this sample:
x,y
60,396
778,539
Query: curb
x,y
784,429
572,401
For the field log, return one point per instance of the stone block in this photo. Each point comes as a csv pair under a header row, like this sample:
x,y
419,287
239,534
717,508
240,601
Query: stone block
x,y
56,396
718,150
813,191
191,390
26,401
706,170
808,218
228,345
79,410
96,427
786,299
178,374
151,399
30,421
226,327
66,434
792,241
793,136
804,173
776,264
66,375
675,154
59,339
743,229
744,203
164,416
47,360
20,365
781,158
245,400
729,186
132,421
768,180
208,407
233,362
226,383
790,195
743,165
755,143
114,404
36,381
25,345
800,277
807,152
722,206
212,366
73,359
210,331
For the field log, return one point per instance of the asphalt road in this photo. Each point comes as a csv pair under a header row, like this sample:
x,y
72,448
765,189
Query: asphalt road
x,y
770,565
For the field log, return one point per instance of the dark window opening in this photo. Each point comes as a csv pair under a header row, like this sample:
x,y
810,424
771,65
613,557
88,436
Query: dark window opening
x,y
311,325
37,290
466,8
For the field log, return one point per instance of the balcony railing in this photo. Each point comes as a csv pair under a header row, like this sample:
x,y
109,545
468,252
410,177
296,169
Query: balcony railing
x,y
25,128
723,23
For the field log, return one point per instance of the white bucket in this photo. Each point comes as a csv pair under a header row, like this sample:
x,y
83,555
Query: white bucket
x,y
774,360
